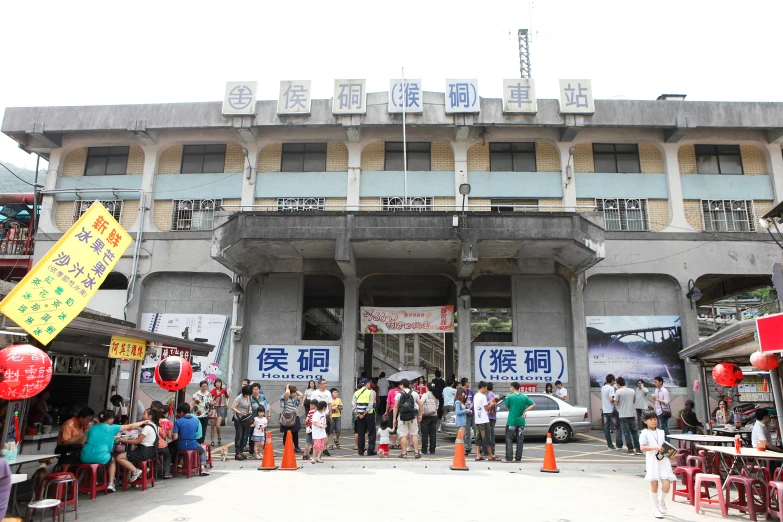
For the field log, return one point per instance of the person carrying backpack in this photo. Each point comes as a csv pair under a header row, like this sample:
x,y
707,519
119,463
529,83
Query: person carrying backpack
x,y
407,414
364,412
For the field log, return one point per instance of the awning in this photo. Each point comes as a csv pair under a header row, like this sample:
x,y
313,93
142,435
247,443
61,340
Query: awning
x,y
735,343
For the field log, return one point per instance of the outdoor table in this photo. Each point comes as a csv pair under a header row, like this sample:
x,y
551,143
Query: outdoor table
x,y
739,461
695,439
16,478
731,431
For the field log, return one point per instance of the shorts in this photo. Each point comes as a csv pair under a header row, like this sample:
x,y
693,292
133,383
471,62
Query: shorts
x,y
383,448
336,424
318,444
309,439
482,435
328,426
406,428
258,438
220,412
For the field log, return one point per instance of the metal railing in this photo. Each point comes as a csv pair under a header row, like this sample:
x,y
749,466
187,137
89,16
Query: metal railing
x,y
194,214
16,241
433,207
728,215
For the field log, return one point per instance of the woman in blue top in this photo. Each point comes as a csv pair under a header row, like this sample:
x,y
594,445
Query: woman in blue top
x,y
460,412
100,442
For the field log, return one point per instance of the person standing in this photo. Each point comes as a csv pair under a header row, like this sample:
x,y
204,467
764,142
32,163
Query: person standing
x,y
324,395
440,385
429,421
470,421
482,406
240,408
407,415
640,400
363,404
319,424
659,468
518,405
201,407
607,408
257,401
289,417
449,392
336,407
560,392
624,397
220,400
662,405
492,414
383,392
394,389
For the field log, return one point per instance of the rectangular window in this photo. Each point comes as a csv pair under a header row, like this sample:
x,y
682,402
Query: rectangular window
x,y
195,214
304,157
203,159
415,204
616,157
718,159
106,161
514,205
728,215
624,214
114,206
300,204
419,156
512,157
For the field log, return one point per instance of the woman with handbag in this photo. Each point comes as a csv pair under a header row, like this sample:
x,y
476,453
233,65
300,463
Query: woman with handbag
x,y
289,417
257,400
202,407
243,419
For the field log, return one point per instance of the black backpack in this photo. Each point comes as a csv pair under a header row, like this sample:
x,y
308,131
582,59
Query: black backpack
x,y
407,408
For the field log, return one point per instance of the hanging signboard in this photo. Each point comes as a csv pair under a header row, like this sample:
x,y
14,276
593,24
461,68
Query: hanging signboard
x,y
770,333
521,364
127,348
426,319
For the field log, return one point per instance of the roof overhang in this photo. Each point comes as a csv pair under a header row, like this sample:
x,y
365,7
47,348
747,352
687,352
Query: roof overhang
x,y
735,343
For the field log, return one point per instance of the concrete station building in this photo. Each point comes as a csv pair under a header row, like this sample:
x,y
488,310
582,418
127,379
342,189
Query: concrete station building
x,y
569,216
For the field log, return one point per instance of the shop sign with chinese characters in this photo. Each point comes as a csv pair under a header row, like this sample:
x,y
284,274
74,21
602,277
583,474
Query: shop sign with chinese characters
x,y
61,284
127,348
425,319
524,365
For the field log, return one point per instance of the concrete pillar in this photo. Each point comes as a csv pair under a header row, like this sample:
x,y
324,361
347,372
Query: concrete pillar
x,y
368,349
46,223
449,356
581,385
401,347
775,168
354,174
350,336
464,348
151,154
569,185
250,176
677,221
416,350
690,335
460,170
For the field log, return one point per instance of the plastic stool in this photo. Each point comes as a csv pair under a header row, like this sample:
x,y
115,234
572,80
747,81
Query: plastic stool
x,y
702,479
765,470
679,458
697,461
745,501
687,474
89,484
41,506
190,460
61,482
775,493
147,475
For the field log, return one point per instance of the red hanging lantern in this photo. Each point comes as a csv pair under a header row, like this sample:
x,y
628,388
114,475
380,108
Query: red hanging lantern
x,y
727,374
25,371
173,373
764,360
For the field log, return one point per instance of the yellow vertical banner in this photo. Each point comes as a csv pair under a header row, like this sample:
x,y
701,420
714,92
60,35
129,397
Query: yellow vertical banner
x,y
61,284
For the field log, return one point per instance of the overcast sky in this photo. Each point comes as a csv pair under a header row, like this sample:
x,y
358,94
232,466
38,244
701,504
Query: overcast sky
x,y
92,53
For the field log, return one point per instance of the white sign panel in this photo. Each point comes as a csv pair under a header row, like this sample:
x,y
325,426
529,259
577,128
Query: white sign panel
x,y
240,99
413,97
519,96
423,319
462,96
294,97
576,97
523,365
349,97
293,363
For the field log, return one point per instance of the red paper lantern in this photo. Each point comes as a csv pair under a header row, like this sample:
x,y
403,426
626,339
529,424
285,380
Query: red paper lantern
x,y
25,371
764,360
173,373
727,374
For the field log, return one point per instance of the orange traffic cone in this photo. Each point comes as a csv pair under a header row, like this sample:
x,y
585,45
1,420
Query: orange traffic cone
x,y
289,457
458,464
268,463
550,466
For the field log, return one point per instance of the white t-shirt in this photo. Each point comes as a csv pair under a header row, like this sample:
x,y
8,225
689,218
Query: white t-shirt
x,y
149,435
384,435
607,394
320,417
319,396
760,432
259,426
413,393
383,387
479,401
561,393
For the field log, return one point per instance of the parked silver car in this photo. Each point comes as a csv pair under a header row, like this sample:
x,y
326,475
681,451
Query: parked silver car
x,y
551,415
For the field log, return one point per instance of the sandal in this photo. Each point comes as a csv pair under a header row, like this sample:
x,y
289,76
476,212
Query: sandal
x,y
337,444
331,446
403,455
417,455
479,458
220,443
494,458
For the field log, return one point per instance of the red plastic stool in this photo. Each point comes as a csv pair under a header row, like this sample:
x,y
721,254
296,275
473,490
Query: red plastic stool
x,y
89,484
687,474
702,479
697,461
775,493
208,451
147,475
763,469
190,460
61,482
679,458
745,500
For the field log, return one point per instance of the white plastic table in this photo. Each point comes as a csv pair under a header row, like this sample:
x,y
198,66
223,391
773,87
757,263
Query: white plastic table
x,y
695,439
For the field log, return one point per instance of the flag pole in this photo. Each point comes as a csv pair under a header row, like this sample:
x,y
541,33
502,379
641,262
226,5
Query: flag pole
x,y
404,144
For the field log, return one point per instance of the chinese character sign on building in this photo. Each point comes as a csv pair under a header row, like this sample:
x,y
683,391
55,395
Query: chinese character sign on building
x,y
524,365
426,319
462,96
349,97
519,96
240,99
127,348
576,97
61,284
288,363
412,96
294,97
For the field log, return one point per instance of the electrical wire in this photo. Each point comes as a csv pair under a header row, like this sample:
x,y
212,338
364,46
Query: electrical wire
x,y
17,177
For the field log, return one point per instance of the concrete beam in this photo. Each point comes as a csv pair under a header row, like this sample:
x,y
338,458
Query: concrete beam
x,y
354,134
139,129
574,124
468,259
244,127
775,135
44,140
684,125
461,134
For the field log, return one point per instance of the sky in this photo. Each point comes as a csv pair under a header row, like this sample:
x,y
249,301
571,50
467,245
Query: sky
x,y
120,52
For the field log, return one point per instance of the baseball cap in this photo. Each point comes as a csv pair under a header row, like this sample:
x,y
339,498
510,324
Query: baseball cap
x,y
365,381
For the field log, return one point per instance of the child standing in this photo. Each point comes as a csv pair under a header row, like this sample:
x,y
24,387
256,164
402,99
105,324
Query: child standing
x,y
259,432
658,466
384,435
309,430
319,432
337,408
460,412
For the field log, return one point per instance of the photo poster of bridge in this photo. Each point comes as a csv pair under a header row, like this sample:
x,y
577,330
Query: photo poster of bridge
x,y
635,347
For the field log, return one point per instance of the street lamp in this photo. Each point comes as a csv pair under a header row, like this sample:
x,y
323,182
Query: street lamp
x,y
464,294
464,189
694,294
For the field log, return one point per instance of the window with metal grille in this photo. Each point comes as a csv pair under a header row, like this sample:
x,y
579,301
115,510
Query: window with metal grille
x,y
300,204
203,159
416,204
303,157
195,214
512,157
624,214
616,157
114,207
419,156
728,215
718,159
106,161
514,205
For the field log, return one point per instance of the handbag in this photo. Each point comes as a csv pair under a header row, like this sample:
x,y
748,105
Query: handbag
x,y
666,411
288,418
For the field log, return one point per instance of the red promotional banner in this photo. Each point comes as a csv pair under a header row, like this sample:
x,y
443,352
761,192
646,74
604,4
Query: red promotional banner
x,y
770,333
427,319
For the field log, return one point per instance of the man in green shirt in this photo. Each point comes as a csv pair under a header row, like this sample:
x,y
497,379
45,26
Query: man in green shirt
x,y
518,405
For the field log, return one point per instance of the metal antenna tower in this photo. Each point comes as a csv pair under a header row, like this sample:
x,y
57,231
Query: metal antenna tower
x,y
524,53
